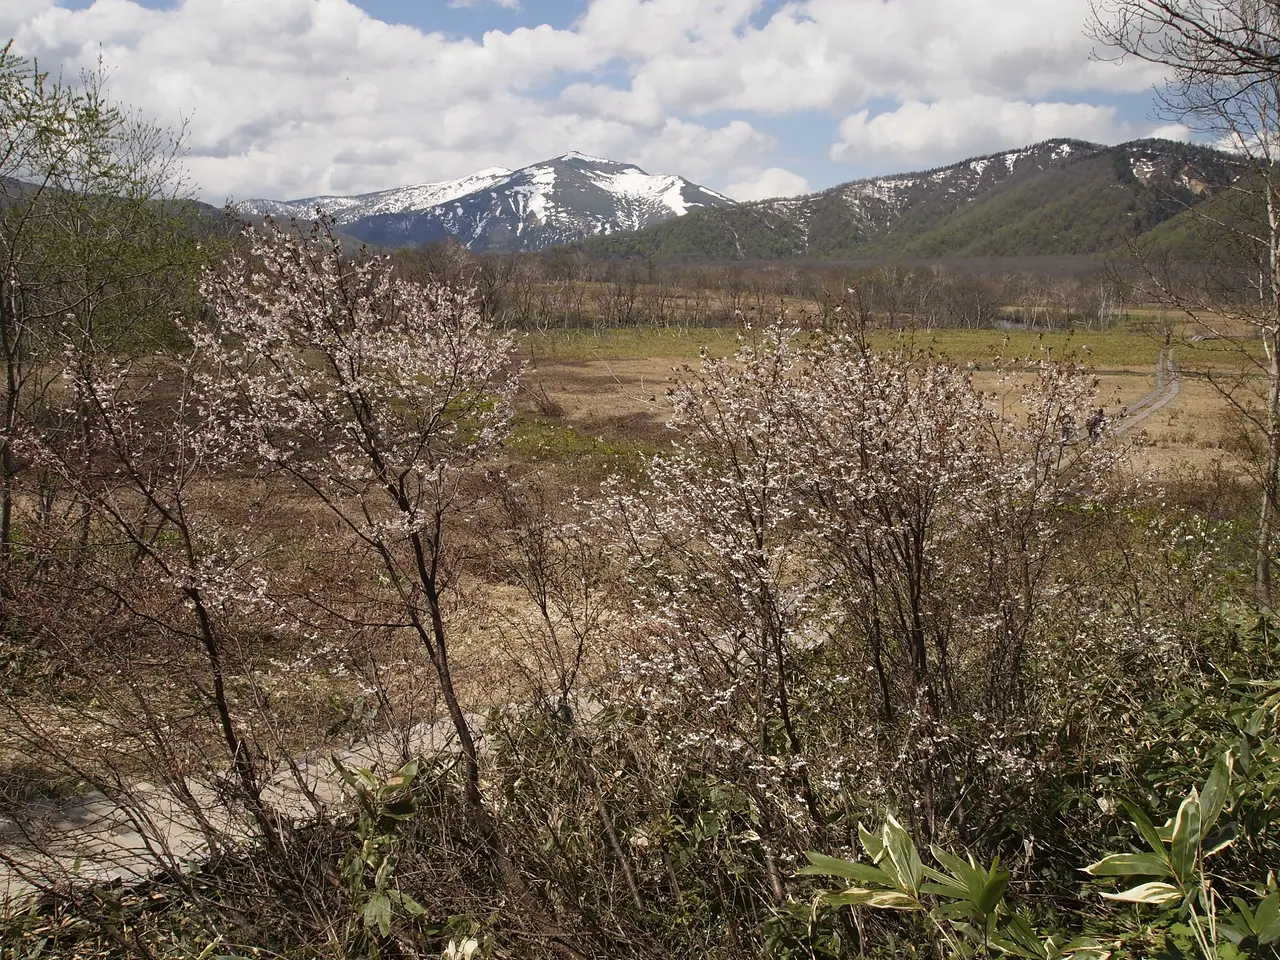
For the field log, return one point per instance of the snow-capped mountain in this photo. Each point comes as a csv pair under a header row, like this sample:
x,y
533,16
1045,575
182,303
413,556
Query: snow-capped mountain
x,y
556,201
1058,197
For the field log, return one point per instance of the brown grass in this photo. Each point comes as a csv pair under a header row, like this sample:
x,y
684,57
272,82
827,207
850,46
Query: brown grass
x,y
607,387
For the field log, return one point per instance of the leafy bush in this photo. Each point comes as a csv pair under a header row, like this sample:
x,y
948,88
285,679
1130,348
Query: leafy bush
x,y
965,901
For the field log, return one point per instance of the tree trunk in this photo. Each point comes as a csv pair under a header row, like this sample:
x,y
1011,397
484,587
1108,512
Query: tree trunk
x,y
10,333
1271,469
1271,474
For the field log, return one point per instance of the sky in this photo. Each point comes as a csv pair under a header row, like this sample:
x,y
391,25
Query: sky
x,y
755,98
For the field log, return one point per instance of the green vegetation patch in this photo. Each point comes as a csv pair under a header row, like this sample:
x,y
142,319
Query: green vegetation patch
x,y
537,438
1106,350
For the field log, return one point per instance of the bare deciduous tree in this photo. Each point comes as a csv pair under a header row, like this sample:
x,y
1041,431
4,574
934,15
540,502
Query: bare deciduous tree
x,y
1222,63
97,247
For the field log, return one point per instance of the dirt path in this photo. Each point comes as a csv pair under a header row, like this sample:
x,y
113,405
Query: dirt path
x,y
145,829
1167,385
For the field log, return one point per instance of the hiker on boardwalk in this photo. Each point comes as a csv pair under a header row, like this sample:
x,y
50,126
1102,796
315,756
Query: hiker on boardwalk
x,y
1096,423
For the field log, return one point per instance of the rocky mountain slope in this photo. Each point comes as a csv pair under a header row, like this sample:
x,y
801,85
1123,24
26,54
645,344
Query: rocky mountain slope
x,y
554,202
1059,197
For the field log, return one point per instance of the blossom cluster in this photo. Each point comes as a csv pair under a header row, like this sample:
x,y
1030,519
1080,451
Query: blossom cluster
x,y
841,566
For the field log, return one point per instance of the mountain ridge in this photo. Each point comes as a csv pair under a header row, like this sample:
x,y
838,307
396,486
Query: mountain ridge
x,y
1054,197
553,202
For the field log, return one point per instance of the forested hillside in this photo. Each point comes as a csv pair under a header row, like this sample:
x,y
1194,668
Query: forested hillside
x,y
1060,197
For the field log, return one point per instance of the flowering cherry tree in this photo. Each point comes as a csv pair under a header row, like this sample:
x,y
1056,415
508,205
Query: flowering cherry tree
x,y
140,556
844,563
311,379
375,396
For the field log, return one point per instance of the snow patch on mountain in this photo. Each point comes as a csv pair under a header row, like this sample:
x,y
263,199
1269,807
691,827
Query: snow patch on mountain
x,y
421,196
534,198
425,195
575,155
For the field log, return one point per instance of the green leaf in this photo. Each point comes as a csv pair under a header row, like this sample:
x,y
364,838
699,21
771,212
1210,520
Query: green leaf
x,y
1214,795
409,905
946,888
400,810
871,843
969,877
993,892
1087,948
949,860
358,779
1267,918
1234,933
1242,908
1219,840
1238,925
904,856
1018,927
347,776
879,899
1186,837
377,913
1144,826
1157,894
1253,726
951,884
893,900
1130,865
1012,949
401,779
821,865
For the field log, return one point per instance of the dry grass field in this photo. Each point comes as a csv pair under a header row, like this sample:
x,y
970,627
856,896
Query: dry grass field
x,y
604,394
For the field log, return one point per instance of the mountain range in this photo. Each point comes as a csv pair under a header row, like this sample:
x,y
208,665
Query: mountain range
x,y
1057,197
554,202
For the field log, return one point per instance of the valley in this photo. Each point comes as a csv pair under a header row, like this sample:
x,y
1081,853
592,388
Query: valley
x,y
564,561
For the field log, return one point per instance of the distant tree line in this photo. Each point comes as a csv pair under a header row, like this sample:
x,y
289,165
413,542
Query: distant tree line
x,y
565,289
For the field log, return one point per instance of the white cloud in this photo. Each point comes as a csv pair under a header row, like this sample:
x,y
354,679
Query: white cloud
x,y
297,97
699,152
509,4
1172,131
835,54
925,134
15,13
770,183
